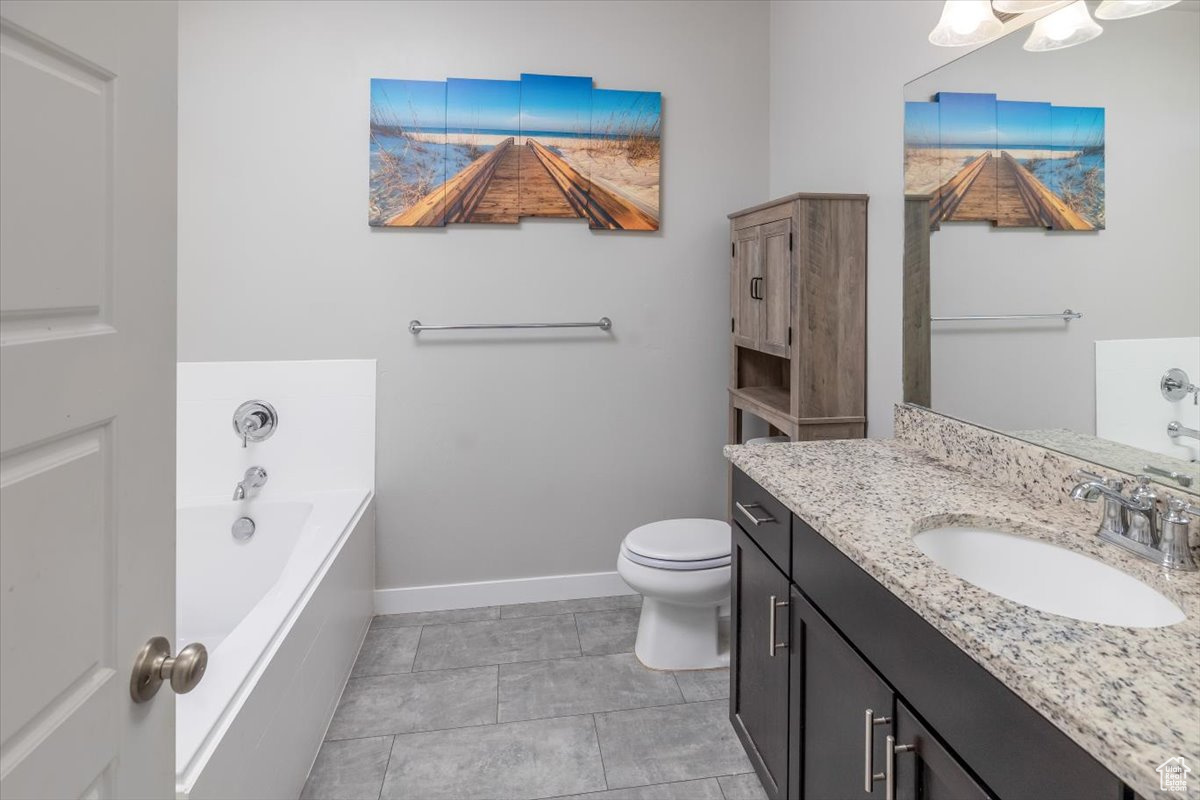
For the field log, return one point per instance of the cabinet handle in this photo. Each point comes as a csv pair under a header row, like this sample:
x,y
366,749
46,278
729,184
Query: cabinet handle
x,y
869,773
753,287
889,791
774,645
756,521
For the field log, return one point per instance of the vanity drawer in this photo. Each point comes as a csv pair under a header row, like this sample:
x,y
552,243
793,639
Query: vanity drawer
x,y
766,520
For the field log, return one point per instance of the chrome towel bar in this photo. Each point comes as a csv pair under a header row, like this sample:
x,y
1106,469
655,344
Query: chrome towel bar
x,y
416,327
1065,316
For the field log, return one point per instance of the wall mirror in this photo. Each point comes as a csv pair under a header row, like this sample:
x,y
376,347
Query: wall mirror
x,y
987,281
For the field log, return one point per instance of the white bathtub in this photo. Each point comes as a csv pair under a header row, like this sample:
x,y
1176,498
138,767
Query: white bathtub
x,y
282,615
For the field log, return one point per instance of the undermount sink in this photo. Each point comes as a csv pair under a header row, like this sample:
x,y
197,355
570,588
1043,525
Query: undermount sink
x,y
1046,577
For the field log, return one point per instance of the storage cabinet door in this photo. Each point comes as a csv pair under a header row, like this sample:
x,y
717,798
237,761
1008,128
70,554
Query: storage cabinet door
x,y
833,747
745,276
928,771
758,697
775,288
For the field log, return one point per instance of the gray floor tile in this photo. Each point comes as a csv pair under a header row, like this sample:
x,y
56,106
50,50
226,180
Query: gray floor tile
x,y
603,632
415,702
704,684
742,787
671,743
419,618
571,606
571,686
501,641
387,651
538,758
350,770
706,789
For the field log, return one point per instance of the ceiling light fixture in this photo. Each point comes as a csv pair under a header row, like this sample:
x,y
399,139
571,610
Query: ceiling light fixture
x,y
1124,9
1021,6
965,22
1069,26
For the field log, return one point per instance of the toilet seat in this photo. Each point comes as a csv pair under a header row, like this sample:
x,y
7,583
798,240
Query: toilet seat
x,y
679,544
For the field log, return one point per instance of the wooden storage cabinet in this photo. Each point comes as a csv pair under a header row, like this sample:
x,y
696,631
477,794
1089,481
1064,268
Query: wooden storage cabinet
x,y
843,646
797,295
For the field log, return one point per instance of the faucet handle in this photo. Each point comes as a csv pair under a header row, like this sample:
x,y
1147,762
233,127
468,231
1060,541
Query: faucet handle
x,y
1179,509
1173,544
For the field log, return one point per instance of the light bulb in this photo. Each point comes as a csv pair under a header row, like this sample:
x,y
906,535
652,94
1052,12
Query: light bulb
x,y
965,22
1124,9
1069,26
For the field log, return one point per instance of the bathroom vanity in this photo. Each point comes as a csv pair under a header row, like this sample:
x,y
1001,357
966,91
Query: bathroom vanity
x,y
860,668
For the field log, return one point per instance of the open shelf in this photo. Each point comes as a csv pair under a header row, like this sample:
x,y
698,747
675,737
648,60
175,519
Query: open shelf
x,y
770,403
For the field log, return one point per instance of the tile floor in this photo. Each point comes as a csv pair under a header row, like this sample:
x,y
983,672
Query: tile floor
x,y
541,700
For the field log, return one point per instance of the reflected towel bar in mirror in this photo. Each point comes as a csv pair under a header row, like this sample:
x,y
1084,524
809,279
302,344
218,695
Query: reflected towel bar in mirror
x,y
1065,316
416,327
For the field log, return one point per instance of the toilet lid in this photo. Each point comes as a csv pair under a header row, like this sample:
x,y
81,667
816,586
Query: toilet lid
x,y
680,540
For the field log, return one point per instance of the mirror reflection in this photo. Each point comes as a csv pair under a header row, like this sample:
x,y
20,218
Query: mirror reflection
x,y
1052,260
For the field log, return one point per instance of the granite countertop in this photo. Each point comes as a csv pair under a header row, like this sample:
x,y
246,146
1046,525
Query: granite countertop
x,y
1128,696
1116,455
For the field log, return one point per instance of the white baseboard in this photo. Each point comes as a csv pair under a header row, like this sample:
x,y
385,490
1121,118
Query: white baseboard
x,y
447,596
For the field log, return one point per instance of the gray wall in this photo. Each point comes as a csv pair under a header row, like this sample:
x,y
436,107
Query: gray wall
x,y
497,456
837,125
1139,278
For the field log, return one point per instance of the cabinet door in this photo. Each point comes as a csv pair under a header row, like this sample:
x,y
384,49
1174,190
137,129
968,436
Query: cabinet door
x,y
745,275
833,748
927,770
775,288
758,697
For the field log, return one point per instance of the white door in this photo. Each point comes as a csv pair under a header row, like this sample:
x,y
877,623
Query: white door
x,y
87,394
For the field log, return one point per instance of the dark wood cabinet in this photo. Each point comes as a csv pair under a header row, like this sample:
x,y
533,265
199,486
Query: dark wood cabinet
x,y
759,669
836,692
925,769
852,666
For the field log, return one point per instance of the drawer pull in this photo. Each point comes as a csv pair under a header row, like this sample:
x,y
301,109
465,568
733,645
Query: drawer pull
x,y
869,774
774,645
755,520
889,792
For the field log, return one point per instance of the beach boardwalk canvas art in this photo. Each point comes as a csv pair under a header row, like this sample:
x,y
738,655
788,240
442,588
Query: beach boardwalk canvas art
x,y
544,146
1017,164
408,153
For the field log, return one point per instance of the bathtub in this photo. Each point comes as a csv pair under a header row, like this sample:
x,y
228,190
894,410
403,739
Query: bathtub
x,y
282,615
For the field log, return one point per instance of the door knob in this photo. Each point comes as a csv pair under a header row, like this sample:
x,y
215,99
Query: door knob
x,y
154,665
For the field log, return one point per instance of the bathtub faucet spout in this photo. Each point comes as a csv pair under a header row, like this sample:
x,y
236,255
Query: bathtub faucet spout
x,y
249,485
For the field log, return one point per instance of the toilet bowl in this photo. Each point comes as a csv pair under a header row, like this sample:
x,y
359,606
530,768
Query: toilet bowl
x,y
681,569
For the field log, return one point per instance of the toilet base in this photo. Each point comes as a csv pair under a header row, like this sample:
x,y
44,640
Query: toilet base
x,y
672,636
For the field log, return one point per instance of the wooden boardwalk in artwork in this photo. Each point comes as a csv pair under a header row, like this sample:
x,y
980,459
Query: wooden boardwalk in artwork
x,y
513,181
1003,192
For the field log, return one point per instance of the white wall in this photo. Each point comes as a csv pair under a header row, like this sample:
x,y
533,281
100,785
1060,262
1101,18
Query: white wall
x,y
1130,407
837,125
1138,279
498,456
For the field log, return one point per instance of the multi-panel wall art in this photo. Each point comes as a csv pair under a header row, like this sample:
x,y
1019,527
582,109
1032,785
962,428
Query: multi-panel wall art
x,y
486,151
1015,164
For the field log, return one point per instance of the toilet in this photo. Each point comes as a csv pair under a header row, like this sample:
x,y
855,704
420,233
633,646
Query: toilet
x,y
681,569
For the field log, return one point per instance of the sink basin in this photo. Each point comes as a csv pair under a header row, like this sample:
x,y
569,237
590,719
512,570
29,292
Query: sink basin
x,y
1047,577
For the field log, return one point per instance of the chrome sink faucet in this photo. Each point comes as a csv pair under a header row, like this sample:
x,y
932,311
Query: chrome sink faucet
x,y
254,479
1132,521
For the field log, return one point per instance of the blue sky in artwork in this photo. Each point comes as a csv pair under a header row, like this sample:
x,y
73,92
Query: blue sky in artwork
x,y
1022,123
921,124
556,103
967,118
1077,127
483,105
615,111
413,104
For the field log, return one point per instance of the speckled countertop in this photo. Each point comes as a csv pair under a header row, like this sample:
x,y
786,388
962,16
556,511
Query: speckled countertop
x,y
1128,696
